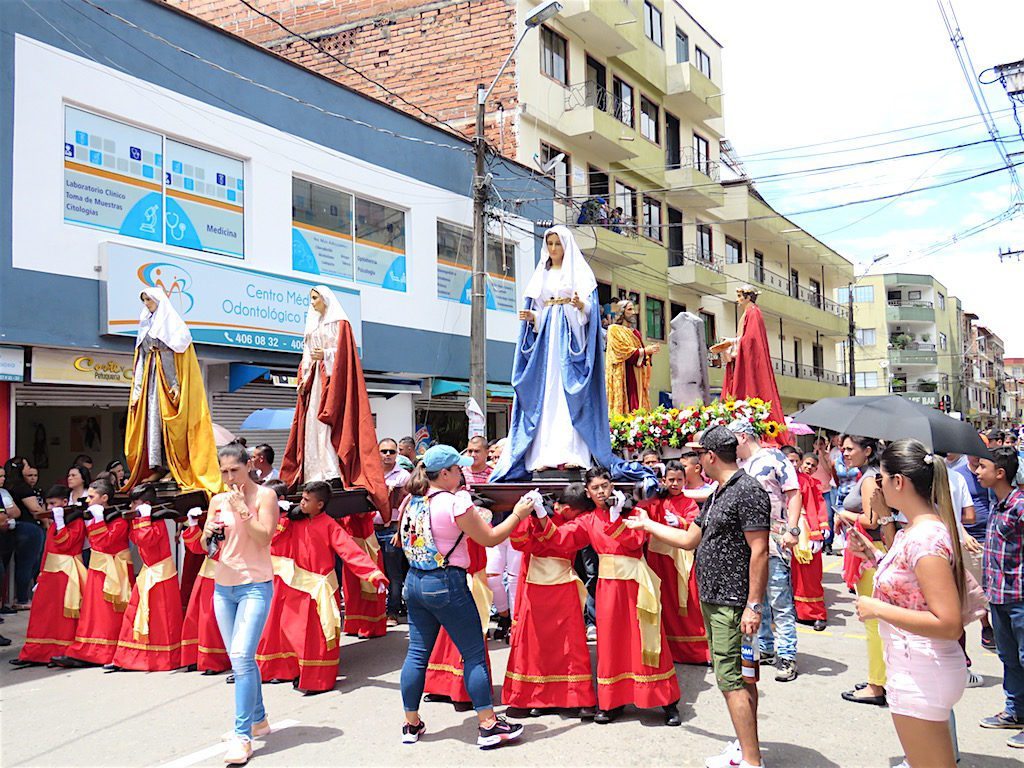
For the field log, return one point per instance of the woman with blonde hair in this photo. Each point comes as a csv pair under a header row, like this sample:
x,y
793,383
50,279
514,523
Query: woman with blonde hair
x,y
627,363
920,593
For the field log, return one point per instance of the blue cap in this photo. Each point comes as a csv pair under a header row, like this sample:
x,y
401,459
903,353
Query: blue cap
x,y
440,457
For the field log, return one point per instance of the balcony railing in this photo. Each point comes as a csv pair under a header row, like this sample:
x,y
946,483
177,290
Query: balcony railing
x,y
591,94
907,303
689,159
693,254
779,284
809,372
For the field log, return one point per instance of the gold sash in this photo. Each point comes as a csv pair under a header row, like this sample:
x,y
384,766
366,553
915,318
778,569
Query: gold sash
x,y
802,550
482,596
149,577
370,546
549,571
208,570
76,573
683,559
117,587
648,599
321,588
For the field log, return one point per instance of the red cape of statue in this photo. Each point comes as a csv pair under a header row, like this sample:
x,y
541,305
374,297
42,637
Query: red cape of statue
x,y
751,374
345,406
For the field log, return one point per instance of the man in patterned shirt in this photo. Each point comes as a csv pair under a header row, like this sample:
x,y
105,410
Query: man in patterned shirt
x,y
778,477
1003,571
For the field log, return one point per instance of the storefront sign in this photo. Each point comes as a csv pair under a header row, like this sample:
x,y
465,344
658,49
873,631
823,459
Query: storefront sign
x,y
455,283
57,366
221,304
12,364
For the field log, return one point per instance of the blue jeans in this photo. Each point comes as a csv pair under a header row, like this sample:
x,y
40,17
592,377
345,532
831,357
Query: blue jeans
x,y
241,613
1008,628
394,569
441,598
778,607
831,518
586,560
26,543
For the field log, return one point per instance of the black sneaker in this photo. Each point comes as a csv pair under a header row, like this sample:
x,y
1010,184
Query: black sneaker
x,y
787,670
411,733
497,734
767,659
988,639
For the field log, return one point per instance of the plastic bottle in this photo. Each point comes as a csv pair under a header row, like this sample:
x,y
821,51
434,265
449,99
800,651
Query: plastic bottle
x,y
750,654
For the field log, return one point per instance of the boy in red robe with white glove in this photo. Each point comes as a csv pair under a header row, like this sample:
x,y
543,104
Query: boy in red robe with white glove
x,y
202,646
108,585
150,639
57,601
680,606
549,661
808,591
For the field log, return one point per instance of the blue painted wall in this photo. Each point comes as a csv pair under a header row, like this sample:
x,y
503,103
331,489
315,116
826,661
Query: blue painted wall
x,y
54,310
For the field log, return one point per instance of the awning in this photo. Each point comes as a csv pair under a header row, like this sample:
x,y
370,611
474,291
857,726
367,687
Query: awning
x,y
441,387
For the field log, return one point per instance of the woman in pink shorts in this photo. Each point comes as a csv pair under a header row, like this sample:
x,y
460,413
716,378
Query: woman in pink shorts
x,y
918,594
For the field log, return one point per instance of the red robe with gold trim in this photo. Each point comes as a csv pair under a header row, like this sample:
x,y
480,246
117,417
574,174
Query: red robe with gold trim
x,y
310,635
622,676
365,610
549,661
99,623
274,657
201,642
53,619
153,644
808,592
684,627
445,666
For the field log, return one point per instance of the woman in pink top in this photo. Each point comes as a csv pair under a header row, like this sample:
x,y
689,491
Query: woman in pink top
x,y
436,521
918,596
241,523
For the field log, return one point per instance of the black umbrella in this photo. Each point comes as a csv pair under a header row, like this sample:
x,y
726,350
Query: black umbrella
x,y
891,417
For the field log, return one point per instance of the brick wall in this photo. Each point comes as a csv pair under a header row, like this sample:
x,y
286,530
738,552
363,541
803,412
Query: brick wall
x,y
433,54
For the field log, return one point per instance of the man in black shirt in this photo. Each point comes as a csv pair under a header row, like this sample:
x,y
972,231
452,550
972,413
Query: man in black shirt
x,y
731,538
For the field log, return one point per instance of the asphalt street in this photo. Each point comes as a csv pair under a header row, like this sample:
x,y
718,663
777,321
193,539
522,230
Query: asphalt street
x,y
55,717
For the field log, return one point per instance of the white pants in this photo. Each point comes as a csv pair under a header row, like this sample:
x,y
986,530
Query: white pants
x,y
503,575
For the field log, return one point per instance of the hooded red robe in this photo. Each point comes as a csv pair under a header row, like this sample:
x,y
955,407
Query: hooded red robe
x,y
808,592
750,373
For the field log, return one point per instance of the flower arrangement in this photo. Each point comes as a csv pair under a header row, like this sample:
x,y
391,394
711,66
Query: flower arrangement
x,y
673,427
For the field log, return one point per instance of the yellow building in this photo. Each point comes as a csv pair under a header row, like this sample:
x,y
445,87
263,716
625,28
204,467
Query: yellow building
x,y
908,339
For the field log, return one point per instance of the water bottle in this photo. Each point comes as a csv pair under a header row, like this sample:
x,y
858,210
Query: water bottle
x,y
750,655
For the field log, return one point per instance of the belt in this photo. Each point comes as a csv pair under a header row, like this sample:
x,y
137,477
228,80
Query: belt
x,y
550,571
683,560
648,599
117,587
76,573
370,546
556,302
149,577
321,587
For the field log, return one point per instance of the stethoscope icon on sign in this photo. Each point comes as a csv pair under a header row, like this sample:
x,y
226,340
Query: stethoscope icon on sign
x,y
177,227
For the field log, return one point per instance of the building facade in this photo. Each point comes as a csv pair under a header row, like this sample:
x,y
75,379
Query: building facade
x,y
908,339
985,374
234,179
620,104
1014,390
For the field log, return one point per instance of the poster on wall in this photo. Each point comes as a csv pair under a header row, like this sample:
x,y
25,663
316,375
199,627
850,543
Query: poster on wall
x,y
222,304
112,176
455,276
204,200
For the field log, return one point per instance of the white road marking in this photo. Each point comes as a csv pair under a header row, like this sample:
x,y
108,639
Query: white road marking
x,y
219,749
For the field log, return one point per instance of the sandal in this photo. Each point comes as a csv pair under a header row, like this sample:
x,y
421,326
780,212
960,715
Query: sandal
x,y
878,701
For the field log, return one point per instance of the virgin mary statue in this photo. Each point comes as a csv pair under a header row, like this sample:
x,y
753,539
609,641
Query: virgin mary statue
x,y
560,409
168,426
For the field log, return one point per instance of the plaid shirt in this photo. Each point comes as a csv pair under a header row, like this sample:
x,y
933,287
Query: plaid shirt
x,y
1003,564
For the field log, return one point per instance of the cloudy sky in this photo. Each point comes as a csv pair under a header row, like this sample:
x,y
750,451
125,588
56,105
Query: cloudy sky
x,y
801,73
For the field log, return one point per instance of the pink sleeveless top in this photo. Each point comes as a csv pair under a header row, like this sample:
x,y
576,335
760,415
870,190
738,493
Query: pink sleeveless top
x,y
242,559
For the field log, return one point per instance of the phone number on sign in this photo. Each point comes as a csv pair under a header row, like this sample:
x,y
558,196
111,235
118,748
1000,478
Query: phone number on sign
x,y
265,341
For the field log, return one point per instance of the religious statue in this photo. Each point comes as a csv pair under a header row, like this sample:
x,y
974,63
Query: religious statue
x,y
747,358
628,363
560,410
168,426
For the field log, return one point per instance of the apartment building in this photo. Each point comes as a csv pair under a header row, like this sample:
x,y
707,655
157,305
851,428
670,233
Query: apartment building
x,y
984,373
908,339
620,103
1014,391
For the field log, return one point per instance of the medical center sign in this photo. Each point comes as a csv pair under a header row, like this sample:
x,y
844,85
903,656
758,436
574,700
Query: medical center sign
x,y
221,304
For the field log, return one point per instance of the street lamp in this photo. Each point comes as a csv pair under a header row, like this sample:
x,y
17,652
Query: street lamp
x,y
478,312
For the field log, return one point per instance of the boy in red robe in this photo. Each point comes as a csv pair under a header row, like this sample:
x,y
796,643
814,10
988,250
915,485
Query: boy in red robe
x,y
680,606
202,646
150,639
634,665
808,592
278,662
108,585
58,597
310,619
549,661
365,609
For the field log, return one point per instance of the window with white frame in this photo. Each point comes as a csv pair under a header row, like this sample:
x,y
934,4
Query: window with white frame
x,y
682,46
554,55
703,61
943,341
865,337
652,23
867,379
649,120
652,218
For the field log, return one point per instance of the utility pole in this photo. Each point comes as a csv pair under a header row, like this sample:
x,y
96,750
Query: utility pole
x,y
478,316
851,339
1010,254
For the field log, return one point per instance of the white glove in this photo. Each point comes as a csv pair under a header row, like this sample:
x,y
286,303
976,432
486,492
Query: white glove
x,y
193,516
615,503
538,503
12,524
58,517
672,520
144,510
284,505
382,589
96,510
816,547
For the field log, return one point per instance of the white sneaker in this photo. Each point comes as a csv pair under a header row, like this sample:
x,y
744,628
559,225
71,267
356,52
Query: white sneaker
x,y
973,680
731,757
591,633
239,751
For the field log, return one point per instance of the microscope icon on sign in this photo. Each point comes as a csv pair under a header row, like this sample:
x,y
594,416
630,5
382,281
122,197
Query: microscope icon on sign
x,y
149,226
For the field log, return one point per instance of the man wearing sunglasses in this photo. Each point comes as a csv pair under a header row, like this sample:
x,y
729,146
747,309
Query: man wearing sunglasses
x,y
394,561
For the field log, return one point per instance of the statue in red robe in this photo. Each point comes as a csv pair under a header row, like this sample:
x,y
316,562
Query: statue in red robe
x,y
748,360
